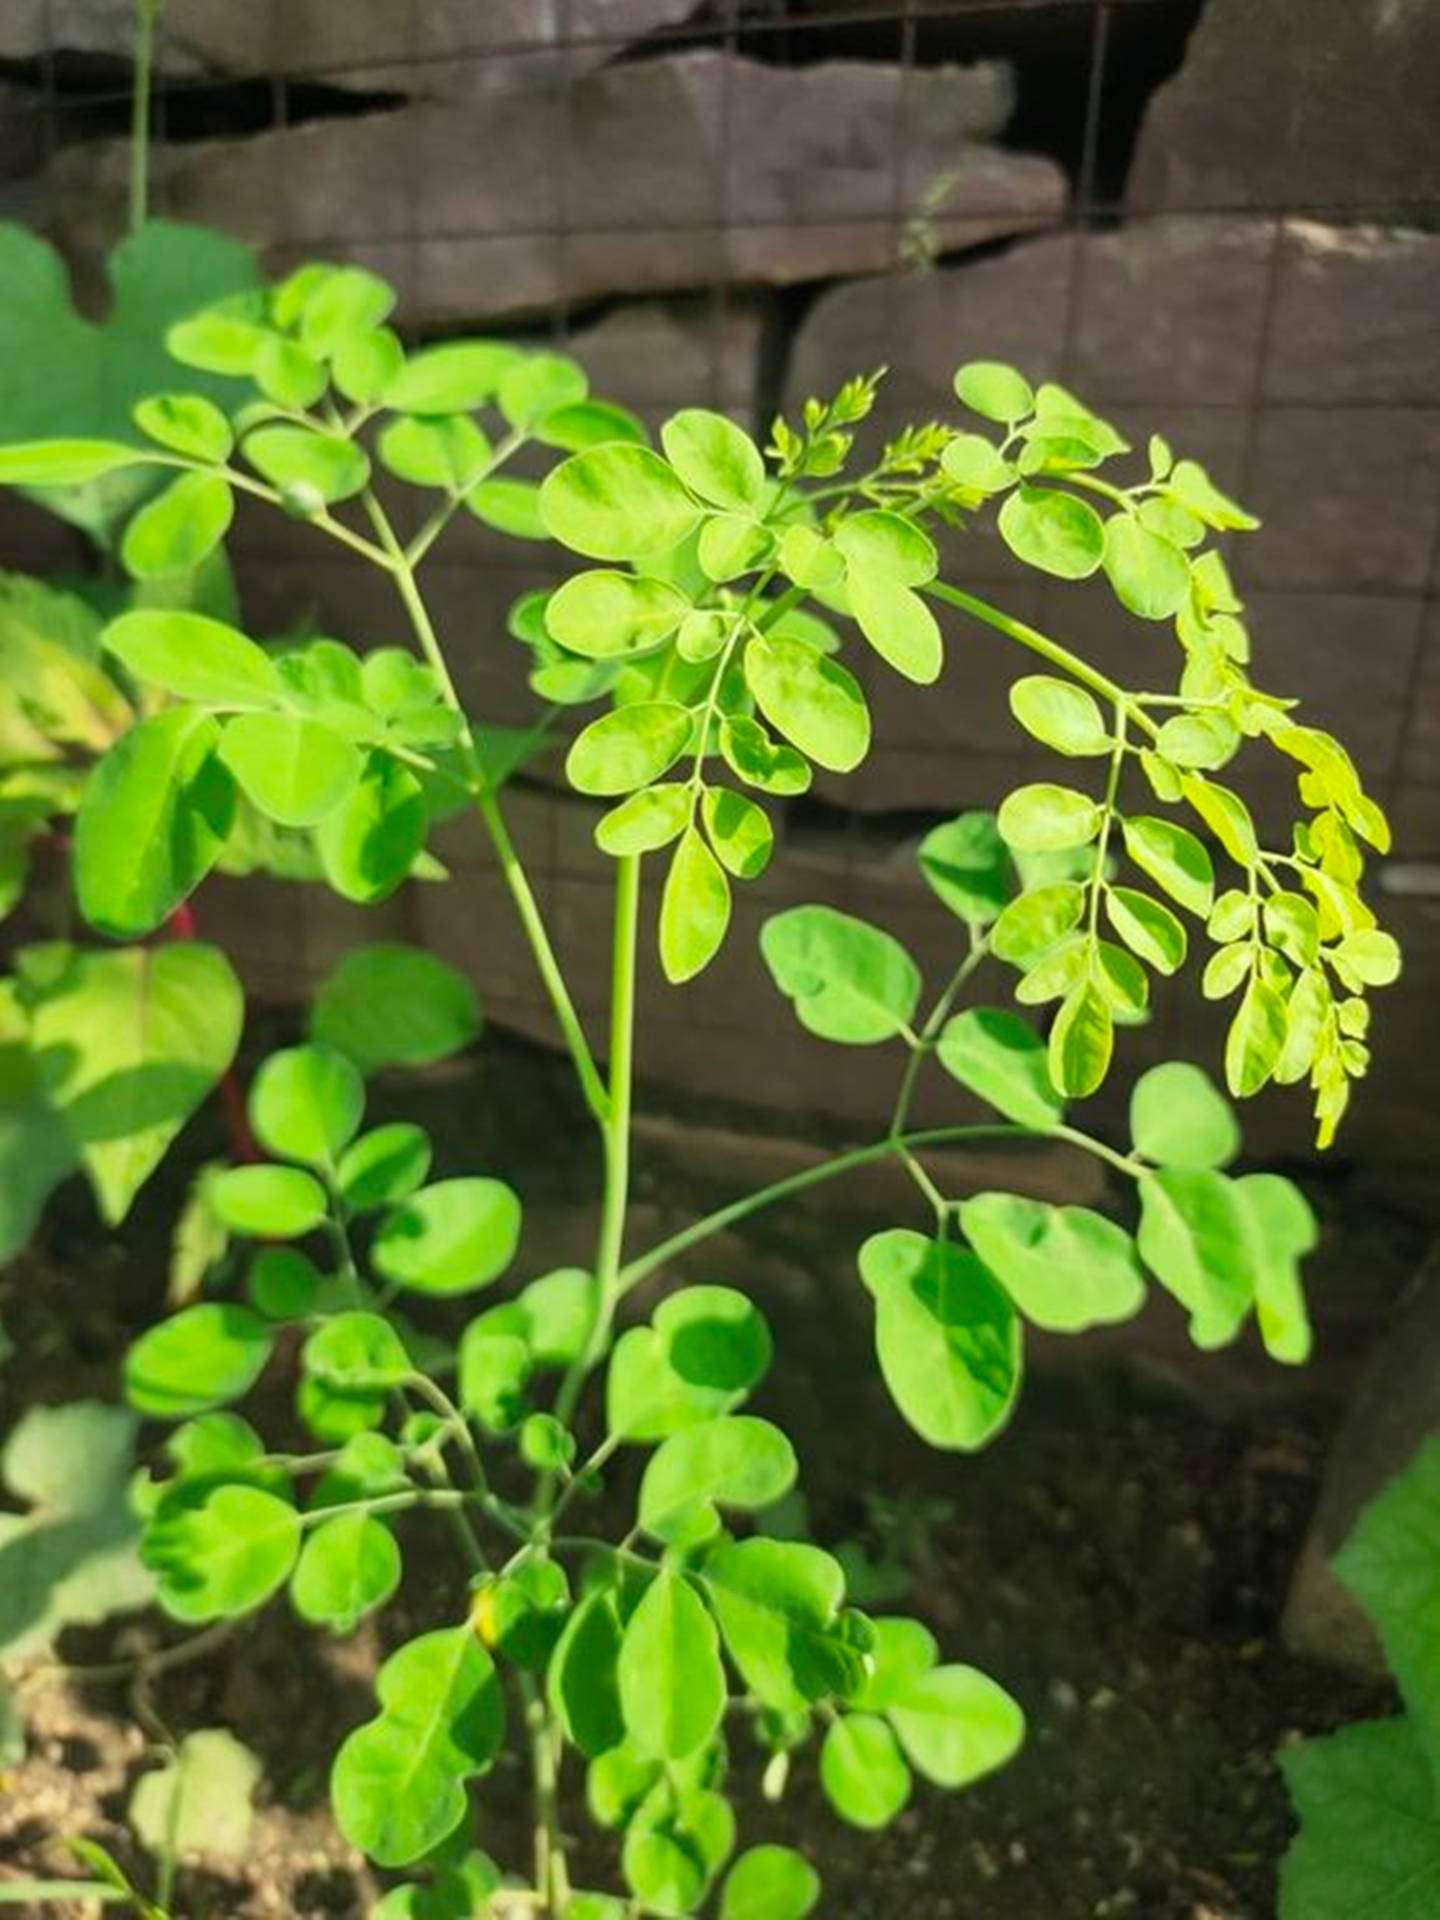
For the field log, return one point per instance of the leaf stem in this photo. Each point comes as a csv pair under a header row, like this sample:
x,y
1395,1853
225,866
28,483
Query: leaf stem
x,y
617,1131
488,806
1039,643
700,1230
147,15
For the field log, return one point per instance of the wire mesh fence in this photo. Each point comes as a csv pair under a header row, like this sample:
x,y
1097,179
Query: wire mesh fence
x,y
733,203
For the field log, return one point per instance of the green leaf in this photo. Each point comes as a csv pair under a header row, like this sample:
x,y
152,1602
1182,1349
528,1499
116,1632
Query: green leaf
x,y
64,375
1391,1564
1060,715
1193,1238
898,624
956,1725
390,1005
770,1883
739,831
1193,488
646,1398
628,748
1179,1118
383,1167
348,1567
358,1351
1282,1232
450,452
850,982
1255,1040
1082,1041
128,1043
810,699
1149,573
223,1555
714,1337
583,1681
863,1771
199,1358
174,532
973,463
370,841
187,423
398,1783
603,615
672,1685
306,1104
1174,859
948,1339
715,458
1148,928
311,470
1044,818
268,1203
70,1558
778,1604
282,1284
494,1369
589,423
694,909
617,502
454,378
1053,531
759,761
194,658
734,1461
200,1800
37,1150
560,1310
538,385
155,816
903,1651
879,545
452,1237
1066,1268
293,769
509,506
1369,1840
966,864
1002,1058
995,391
64,463
1037,922
647,821
1206,740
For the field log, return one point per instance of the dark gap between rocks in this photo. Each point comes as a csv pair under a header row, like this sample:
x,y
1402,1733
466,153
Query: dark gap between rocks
x,y
89,96
1050,46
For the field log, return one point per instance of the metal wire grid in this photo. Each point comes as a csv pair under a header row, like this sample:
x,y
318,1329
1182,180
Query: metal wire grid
x,y
898,33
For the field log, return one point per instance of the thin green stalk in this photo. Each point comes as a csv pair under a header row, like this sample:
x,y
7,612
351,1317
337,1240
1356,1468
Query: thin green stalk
x,y
512,871
700,1230
939,1014
610,1249
147,14
1039,643
552,1876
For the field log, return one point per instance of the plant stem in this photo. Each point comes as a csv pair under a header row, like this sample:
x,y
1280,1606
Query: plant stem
x,y
147,14
647,1263
592,1085
1040,643
552,1877
617,1132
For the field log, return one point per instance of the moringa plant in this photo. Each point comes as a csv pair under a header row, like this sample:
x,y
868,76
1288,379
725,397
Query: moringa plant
x,y
719,588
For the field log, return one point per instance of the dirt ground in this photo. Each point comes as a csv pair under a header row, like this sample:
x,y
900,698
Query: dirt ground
x,y
1118,1559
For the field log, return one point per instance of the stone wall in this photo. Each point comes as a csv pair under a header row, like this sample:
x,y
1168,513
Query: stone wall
x,y
1244,257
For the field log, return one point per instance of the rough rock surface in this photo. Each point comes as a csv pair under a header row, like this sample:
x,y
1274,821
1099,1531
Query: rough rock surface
x,y
425,48
1298,103
687,170
1395,1409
